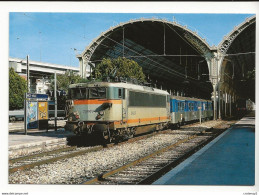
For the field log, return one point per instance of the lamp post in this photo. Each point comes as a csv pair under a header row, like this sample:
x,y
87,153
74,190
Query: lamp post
x,y
40,46
28,73
55,97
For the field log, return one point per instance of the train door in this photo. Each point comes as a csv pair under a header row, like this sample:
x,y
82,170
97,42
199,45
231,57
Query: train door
x,y
122,96
168,106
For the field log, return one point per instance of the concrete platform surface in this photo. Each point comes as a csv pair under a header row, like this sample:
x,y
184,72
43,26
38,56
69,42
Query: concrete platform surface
x,y
20,138
20,144
19,125
227,160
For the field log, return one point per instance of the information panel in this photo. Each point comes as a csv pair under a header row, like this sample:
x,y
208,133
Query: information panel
x,y
43,110
32,114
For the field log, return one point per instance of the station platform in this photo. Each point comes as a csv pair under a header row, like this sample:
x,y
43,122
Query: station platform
x,y
227,160
36,140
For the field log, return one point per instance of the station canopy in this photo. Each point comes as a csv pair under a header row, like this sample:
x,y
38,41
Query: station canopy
x,y
171,55
238,47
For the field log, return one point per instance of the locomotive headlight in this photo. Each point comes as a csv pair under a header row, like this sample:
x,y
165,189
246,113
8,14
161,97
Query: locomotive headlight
x,y
99,115
76,114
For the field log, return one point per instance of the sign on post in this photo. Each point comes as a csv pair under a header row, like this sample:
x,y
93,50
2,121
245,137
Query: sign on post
x,y
37,96
36,108
32,116
43,110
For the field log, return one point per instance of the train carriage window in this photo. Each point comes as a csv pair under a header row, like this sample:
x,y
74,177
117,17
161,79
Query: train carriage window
x,y
120,93
146,99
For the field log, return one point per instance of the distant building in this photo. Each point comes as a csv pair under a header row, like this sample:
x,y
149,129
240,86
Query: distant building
x,y
40,72
250,105
42,86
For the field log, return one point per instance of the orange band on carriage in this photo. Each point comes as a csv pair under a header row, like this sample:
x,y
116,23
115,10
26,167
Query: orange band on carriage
x,y
80,102
142,120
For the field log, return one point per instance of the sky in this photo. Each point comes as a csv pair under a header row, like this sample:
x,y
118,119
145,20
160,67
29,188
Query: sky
x,y
57,37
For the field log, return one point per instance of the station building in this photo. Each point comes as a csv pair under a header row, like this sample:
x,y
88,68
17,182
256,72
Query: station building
x,y
40,72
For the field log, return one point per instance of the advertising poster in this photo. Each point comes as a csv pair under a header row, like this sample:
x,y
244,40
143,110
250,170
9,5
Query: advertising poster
x,y
43,110
32,117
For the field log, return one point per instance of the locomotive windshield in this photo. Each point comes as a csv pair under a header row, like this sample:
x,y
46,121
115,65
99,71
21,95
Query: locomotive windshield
x,y
97,93
87,93
78,93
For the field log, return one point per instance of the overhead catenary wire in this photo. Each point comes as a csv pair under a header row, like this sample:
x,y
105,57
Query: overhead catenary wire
x,y
177,73
165,67
237,54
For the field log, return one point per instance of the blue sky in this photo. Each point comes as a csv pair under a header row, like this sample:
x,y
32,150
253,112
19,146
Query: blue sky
x,y
52,37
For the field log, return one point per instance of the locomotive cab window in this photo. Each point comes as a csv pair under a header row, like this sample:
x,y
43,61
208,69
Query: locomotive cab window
x,y
121,93
78,93
97,93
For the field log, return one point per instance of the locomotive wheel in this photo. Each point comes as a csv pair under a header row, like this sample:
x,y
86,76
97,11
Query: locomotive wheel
x,y
107,136
178,125
12,119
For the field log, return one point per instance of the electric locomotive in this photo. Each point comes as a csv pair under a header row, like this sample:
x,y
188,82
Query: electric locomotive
x,y
116,110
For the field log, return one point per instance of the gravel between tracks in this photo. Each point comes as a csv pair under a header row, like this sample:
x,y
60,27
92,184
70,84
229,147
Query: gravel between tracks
x,y
78,169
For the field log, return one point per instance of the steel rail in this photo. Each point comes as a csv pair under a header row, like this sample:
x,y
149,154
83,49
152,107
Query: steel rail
x,y
51,160
82,152
94,149
151,178
114,171
14,160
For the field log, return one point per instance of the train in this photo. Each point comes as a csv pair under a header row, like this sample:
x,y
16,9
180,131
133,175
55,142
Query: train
x,y
121,110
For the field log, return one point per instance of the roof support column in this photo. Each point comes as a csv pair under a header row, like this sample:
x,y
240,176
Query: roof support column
x,y
215,102
230,107
164,38
226,98
81,66
123,41
214,79
219,100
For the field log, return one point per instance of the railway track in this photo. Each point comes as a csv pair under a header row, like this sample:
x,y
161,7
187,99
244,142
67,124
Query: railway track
x,y
147,169
81,165
30,161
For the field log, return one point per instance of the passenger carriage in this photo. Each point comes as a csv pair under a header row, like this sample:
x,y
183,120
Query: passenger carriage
x,y
185,109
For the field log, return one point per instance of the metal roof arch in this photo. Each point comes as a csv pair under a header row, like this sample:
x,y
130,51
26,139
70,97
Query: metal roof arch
x,y
228,39
193,37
